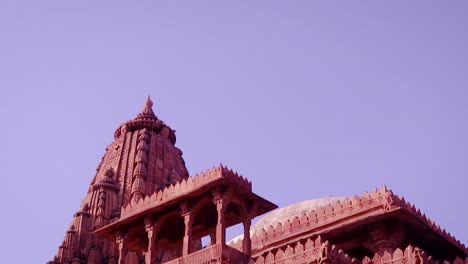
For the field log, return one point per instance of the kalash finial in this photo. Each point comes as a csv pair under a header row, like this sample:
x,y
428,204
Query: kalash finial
x,y
148,102
148,107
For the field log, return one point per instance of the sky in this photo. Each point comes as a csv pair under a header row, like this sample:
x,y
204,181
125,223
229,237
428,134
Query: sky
x,y
306,99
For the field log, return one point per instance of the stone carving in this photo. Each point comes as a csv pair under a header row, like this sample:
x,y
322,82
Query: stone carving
x,y
305,251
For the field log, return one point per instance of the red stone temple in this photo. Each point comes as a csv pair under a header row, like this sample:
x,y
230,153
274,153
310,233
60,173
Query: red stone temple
x,y
142,207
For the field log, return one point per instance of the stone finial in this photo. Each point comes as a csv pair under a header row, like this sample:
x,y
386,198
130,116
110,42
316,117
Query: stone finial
x,y
148,102
147,108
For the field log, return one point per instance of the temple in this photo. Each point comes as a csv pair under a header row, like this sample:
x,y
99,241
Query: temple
x,y
143,207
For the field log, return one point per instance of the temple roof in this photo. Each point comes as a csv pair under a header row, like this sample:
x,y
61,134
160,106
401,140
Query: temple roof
x,y
334,217
187,189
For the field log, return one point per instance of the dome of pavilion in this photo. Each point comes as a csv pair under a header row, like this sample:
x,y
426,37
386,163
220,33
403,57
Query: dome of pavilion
x,y
282,214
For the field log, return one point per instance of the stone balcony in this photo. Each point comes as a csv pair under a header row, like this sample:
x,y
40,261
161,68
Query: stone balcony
x,y
214,254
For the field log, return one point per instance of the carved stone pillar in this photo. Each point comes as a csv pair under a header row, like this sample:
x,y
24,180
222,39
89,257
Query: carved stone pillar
x,y
188,221
221,224
121,241
152,230
246,243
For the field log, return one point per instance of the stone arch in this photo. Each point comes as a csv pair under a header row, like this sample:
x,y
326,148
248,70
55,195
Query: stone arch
x,y
170,237
204,222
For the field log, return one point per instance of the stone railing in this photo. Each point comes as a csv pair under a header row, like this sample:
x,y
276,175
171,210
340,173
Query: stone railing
x,y
213,254
411,255
205,255
315,220
321,218
305,251
184,187
316,251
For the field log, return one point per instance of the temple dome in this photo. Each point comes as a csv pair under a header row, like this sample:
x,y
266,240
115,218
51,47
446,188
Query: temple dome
x,y
282,214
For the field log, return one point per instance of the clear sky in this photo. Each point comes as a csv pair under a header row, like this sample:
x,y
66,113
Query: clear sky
x,y
305,98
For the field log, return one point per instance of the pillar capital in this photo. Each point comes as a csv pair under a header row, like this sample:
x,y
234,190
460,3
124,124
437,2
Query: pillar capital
x,y
149,222
217,194
185,208
383,236
220,201
120,236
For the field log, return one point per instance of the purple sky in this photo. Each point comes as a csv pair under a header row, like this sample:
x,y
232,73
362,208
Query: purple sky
x,y
305,98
